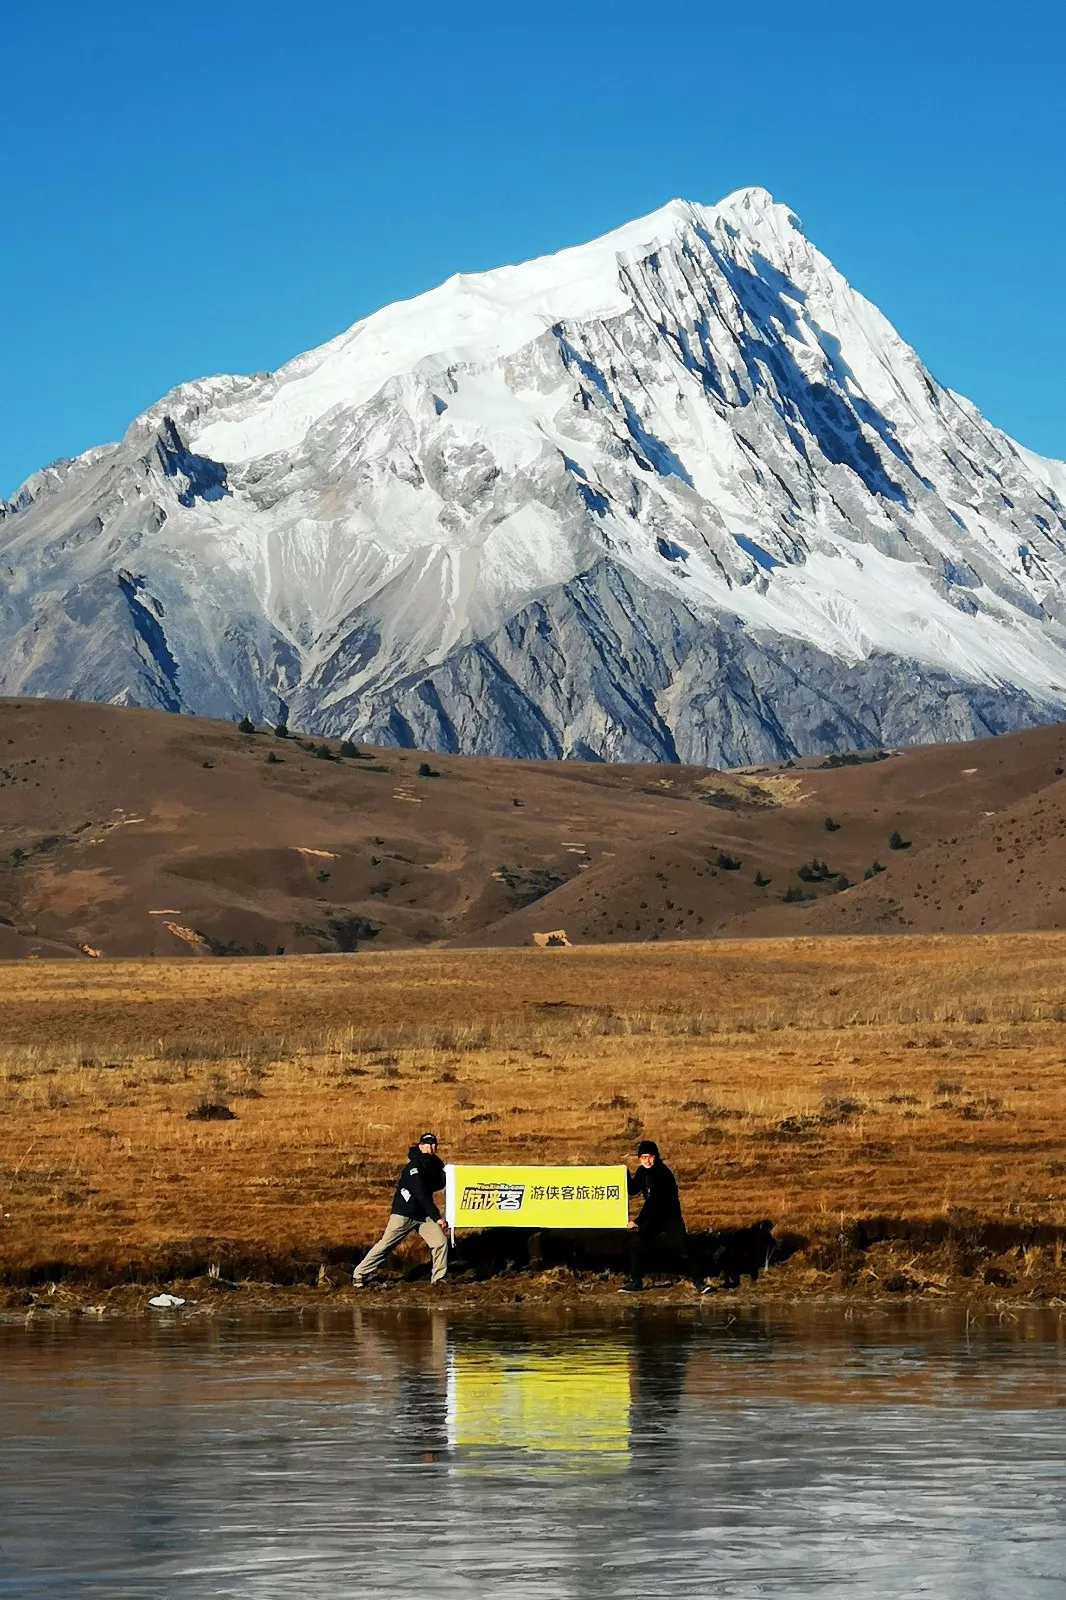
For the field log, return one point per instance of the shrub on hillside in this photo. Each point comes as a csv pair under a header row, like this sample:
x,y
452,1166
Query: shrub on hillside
x,y
815,871
872,870
211,1105
210,1111
898,842
246,725
727,863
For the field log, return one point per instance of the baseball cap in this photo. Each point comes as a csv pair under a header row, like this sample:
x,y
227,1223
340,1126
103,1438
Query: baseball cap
x,y
427,1138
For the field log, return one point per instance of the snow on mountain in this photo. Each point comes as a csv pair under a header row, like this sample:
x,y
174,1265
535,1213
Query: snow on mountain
x,y
677,493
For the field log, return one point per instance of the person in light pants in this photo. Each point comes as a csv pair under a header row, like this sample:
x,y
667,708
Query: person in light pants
x,y
413,1207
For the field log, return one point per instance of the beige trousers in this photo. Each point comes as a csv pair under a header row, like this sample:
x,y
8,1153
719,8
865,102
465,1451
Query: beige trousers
x,y
398,1228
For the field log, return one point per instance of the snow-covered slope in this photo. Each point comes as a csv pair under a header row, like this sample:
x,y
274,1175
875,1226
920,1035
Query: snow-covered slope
x,y
681,492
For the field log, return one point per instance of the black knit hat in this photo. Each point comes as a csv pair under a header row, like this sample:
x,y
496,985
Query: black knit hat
x,y
647,1147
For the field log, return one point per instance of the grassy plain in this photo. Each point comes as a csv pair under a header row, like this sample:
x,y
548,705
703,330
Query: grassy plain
x,y
808,1081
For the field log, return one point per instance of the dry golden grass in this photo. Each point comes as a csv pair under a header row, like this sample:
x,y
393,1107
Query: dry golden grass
x,y
801,1080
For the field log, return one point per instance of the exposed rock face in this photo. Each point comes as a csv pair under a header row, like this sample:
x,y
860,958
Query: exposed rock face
x,y
606,668
677,494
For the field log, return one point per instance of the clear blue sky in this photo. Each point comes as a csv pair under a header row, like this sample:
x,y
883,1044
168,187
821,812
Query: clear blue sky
x,y
193,189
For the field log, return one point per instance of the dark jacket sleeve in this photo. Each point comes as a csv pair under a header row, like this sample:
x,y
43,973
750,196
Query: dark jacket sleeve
x,y
435,1175
415,1179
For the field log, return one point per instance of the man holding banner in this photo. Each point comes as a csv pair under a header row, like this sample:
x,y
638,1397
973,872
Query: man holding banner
x,y
660,1216
413,1206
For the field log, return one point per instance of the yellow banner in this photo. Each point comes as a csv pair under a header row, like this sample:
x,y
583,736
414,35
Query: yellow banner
x,y
536,1197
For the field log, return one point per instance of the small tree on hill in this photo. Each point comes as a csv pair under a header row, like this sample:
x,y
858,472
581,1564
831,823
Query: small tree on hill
x,y
760,882
246,725
830,826
282,730
898,842
872,870
815,872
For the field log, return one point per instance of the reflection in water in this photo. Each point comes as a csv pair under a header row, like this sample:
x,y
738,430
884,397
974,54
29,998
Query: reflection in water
x,y
574,1403
371,1454
590,1405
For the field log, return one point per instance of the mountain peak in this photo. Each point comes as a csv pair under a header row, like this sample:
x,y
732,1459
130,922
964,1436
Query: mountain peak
x,y
678,492
757,214
752,200
499,311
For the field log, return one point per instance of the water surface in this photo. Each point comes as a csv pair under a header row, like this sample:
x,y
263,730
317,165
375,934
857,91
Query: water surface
x,y
382,1454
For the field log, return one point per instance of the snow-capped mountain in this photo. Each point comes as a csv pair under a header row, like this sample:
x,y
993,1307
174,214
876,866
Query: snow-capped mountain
x,y
677,493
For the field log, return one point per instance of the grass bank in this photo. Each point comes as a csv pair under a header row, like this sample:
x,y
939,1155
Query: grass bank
x,y
894,1106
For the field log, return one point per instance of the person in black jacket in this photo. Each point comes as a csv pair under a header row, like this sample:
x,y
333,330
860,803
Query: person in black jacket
x,y
413,1206
659,1219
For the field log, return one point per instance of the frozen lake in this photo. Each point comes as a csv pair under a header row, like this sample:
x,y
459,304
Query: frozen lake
x,y
382,1454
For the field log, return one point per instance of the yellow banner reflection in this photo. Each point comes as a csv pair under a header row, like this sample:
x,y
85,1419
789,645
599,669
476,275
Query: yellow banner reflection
x,y
570,1402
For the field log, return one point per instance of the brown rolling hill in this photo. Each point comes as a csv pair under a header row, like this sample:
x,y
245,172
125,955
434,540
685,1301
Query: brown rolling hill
x,y
127,832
